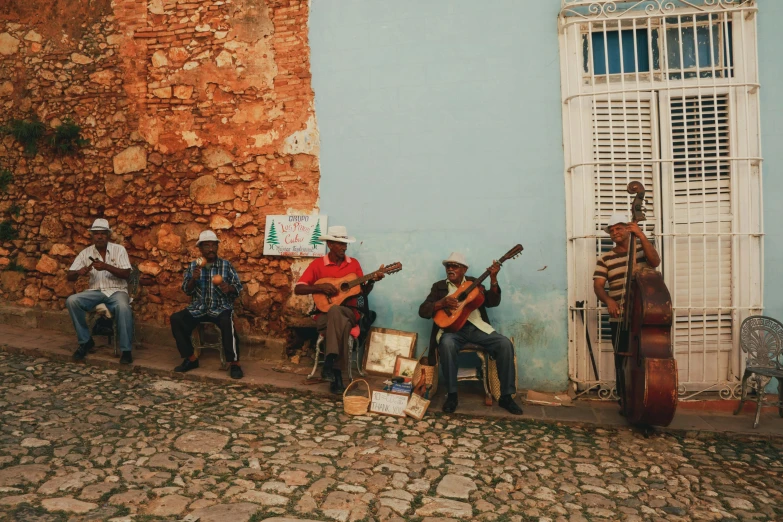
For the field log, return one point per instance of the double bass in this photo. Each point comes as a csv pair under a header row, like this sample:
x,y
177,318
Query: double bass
x,y
648,368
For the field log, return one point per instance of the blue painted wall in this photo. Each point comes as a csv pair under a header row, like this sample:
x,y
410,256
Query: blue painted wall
x,y
771,77
441,130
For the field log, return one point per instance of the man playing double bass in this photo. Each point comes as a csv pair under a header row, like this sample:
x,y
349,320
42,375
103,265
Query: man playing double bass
x,y
612,267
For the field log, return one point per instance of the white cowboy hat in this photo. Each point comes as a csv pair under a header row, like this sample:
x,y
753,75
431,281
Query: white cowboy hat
x,y
339,234
456,257
100,225
616,219
205,236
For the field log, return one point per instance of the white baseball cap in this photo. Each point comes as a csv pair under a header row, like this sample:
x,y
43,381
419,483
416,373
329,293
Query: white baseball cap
x,y
617,218
207,235
101,225
456,257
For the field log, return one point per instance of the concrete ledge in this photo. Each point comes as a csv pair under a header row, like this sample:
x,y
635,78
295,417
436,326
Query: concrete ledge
x,y
253,347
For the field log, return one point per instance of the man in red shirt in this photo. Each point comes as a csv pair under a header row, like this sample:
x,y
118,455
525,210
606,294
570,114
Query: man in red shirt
x,y
337,323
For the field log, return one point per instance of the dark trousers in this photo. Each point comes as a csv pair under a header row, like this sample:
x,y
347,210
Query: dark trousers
x,y
183,324
335,325
497,346
619,344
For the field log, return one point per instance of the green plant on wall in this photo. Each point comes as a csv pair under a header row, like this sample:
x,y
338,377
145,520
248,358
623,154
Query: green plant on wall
x,y
6,178
66,138
7,231
15,210
27,133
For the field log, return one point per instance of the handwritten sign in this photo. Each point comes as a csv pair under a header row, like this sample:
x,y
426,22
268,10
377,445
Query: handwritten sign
x,y
389,403
295,236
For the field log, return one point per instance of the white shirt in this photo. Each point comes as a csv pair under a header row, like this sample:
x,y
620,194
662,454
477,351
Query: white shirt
x,y
103,280
474,317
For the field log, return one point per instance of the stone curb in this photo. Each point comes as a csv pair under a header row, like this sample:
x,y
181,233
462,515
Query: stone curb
x,y
112,365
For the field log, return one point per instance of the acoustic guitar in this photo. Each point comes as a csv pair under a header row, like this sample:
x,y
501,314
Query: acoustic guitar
x,y
469,297
348,286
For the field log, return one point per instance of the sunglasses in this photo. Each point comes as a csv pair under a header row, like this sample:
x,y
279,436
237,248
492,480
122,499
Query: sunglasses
x,y
452,266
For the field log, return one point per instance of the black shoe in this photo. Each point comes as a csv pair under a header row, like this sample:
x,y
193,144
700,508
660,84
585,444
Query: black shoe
x,y
186,366
235,371
126,358
327,373
82,350
337,384
450,406
507,402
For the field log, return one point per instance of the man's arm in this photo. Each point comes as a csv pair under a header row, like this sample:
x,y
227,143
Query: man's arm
x,y
122,273
599,284
307,286
432,304
78,268
653,259
190,278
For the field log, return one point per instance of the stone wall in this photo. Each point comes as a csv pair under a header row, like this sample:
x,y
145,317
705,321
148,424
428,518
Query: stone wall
x,y
199,114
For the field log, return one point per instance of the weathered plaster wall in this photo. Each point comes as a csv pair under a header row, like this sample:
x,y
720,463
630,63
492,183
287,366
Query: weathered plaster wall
x,y
199,113
771,78
441,130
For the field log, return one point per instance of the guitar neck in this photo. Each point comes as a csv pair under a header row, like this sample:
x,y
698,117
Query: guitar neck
x,y
362,280
480,279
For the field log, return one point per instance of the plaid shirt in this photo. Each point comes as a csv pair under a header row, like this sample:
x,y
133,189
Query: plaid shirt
x,y
206,298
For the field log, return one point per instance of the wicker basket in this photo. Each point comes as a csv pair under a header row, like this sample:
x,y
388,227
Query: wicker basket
x,y
430,374
356,404
494,380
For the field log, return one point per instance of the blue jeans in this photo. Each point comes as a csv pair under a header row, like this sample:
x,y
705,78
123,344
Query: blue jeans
x,y
497,346
119,306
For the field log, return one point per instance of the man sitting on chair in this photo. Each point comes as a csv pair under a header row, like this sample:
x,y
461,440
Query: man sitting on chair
x,y
109,269
336,324
213,289
477,330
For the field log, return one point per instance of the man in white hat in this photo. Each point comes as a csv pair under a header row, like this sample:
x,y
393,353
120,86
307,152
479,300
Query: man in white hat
x,y
213,285
109,268
337,323
611,267
477,330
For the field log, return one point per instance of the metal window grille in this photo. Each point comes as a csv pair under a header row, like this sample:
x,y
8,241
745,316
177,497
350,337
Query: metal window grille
x,y
666,93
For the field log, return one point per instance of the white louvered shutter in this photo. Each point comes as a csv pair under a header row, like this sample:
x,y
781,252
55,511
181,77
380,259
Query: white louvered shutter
x,y
701,218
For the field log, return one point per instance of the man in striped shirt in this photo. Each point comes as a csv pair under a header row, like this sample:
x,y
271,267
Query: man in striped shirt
x,y
213,285
109,269
612,267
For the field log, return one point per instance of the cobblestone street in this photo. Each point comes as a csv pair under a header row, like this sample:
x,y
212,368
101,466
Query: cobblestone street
x,y
82,443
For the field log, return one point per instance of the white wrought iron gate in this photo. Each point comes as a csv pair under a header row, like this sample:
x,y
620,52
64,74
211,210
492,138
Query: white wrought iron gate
x,y
665,92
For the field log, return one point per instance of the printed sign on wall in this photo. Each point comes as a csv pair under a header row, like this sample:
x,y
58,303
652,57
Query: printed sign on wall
x,y
295,236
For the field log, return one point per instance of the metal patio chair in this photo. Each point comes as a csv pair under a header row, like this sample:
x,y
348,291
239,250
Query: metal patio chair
x,y
762,339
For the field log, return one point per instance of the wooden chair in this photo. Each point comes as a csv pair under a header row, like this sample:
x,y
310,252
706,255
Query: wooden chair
x,y
102,311
762,339
207,336
487,373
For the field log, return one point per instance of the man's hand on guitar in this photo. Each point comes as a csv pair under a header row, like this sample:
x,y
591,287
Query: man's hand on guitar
x,y
447,303
614,308
379,274
493,270
328,289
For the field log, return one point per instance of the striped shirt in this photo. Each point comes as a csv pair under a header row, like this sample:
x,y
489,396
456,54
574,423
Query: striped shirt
x,y
209,299
103,280
612,267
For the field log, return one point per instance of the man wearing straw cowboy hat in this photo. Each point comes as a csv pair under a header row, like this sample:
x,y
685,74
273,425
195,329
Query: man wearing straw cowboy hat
x,y
611,267
213,284
336,324
477,330
109,268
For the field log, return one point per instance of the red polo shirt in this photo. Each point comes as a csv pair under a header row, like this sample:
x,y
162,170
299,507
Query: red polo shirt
x,y
324,267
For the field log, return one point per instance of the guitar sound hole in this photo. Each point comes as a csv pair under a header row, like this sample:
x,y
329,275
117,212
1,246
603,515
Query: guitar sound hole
x,y
344,287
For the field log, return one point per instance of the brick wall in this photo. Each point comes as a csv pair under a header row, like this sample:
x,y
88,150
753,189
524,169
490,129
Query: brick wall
x,y
199,114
